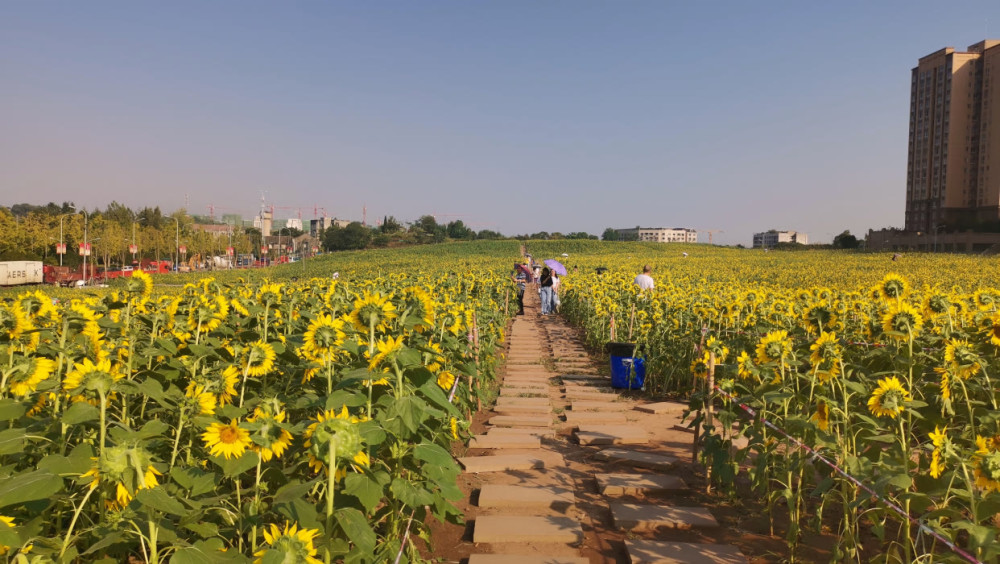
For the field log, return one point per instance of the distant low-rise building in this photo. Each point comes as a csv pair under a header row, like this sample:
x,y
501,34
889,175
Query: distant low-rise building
x,y
660,234
316,226
773,237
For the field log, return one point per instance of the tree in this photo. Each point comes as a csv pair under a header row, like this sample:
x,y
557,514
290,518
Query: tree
x,y
846,241
488,234
390,225
458,230
610,235
354,236
580,235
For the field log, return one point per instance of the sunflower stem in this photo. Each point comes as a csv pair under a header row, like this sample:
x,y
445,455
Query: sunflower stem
x,y
331,474
177,438
72,523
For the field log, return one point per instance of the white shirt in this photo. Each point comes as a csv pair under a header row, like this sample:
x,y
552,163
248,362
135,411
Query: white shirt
x,y
644,282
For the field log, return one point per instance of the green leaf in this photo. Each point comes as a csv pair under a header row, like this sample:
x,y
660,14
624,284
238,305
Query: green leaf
x,y
410,494
107,539
356,527
158,499
77,463
11,441
204,530
411,412
152,428
367,490
901,481
210,551
8,535
11,409
299,511
434,454
80,412
235,466
292,491
32,486
196,480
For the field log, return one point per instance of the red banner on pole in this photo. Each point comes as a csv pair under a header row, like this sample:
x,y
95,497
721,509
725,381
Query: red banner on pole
x,y
133,249
60,248
184,250
84,250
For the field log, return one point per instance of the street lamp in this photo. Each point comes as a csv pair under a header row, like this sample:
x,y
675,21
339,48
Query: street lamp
x,y
280,248
61,244
177,243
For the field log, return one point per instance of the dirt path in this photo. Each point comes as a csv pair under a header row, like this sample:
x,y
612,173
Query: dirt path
x,y
566,470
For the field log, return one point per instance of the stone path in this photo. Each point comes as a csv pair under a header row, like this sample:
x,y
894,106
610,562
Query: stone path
x,y
539,499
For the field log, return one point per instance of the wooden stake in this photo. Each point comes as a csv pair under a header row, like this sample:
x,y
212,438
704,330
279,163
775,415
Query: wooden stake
x,y
612,328
710,413
475,347
631,322
506,300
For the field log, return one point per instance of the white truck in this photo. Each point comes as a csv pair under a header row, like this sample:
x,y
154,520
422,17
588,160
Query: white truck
x,y
18,272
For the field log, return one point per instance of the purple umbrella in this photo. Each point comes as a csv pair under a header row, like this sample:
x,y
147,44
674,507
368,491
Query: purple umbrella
x,y
556,266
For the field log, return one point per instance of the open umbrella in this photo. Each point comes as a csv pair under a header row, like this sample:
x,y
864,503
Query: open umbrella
x,y
523,268
556,266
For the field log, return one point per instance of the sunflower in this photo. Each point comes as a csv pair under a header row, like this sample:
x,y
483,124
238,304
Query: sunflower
x,y
372,310
323,338
937,303
938,438
140,285
204,402
774,347
699,366
38,307
445,380
745,366
902,322
226,440
259,358
822,416
420,306
991,326
985,300
207,313
986,463
288,545
129,468
13,323
819,318
889,398
826,357
87,381
387,348
453,424
721,351
220,384
31,373
893,287
962,359
945,384
270,294
341,430
270,438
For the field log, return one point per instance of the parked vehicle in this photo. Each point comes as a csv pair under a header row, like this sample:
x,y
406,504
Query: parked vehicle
x,y
18,272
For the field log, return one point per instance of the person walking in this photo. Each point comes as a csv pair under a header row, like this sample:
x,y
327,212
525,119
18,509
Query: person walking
x,y
520,279
555,293
545,290
644,281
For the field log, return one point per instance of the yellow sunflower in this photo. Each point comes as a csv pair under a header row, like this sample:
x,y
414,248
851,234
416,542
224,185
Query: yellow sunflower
x,y
938,438
290,544
270,438
889,398
962,359
13,322
387,348
901,322
372,310
745,366
220,383
991,326
259,358
445,380
822,415
986,464
774,347
140,285
31,373
323,339
207,313
893,287
226,440
337,429
825,357
128,468
88,380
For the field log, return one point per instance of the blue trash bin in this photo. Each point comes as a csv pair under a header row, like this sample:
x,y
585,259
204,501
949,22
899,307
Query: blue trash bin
x,y
627,372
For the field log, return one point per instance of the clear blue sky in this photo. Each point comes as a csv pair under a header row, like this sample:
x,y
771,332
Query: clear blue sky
x,y
516,116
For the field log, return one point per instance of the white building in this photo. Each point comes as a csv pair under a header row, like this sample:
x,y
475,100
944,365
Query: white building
x,y
773,237
661,234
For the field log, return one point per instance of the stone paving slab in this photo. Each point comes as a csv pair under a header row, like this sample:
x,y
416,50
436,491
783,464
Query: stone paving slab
x,y
536,431
662,407
586,405
506,462
637,459
530,410
590,395
585,377
631,516
611,435
516,528
505,441
495,495
523,401
632,484
523,392
520,421
577,418
519,559
657,552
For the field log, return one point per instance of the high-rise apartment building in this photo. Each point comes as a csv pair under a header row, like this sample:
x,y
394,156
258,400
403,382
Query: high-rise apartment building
x,y
953,164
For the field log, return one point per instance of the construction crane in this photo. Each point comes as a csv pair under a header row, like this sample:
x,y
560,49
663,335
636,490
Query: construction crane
x,y
712,232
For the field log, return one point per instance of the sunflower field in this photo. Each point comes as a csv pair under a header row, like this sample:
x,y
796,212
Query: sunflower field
x,y
238,418
887,369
